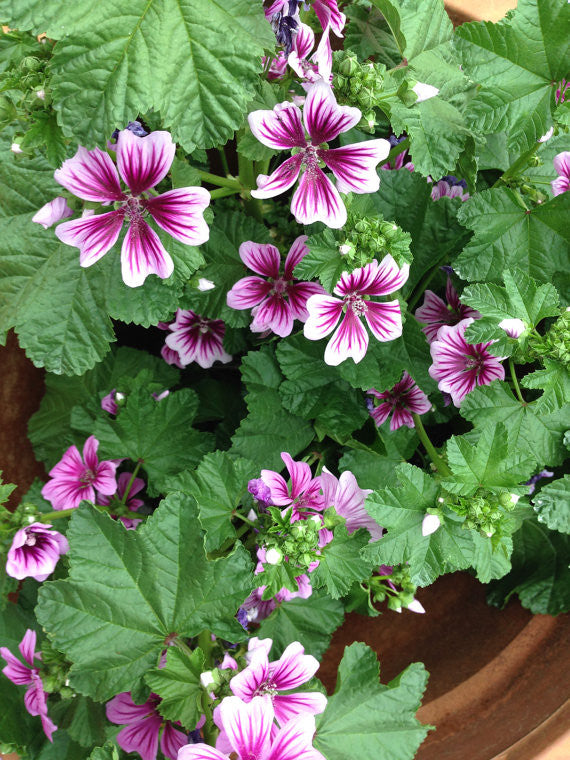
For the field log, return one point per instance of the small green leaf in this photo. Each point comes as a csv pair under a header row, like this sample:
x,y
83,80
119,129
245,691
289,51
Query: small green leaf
x,y
370,720
553,504
178,686
340,563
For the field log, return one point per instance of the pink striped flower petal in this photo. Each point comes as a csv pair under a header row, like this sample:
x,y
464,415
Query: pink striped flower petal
x,y
261,258
288,706
280,128
274,314
324,313
200,752
323,117
144,161
296,253
294,667
295,740
52,212
387,277
328,14
349,340
180,212
381,413
143,253
299,293
322,57
280,180
91,175
141,736
317,200
197,339
248,292
122,710
15,670
384,319
27,645
300,474
93,235
280,495
246,683
248,725
304,41
354,166
172,741
90,453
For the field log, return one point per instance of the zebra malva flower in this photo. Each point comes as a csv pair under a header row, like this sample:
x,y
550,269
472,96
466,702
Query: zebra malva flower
x,y
35,552
435,312
196,339
142,162
400,401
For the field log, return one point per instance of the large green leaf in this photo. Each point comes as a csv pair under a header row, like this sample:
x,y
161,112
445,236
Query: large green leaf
x,y
517,63
508,236
127,591
401,509
370,720
195,61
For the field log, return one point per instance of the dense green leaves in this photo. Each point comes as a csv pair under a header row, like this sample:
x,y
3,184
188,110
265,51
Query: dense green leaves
x,y
507,235
540,574
110,64
553,504
128,591
311,621
367,719
340,563
178,685
517,62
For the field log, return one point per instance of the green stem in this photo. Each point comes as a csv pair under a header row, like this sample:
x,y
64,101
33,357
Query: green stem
x,y
396,150
438,462
245,519
182,646
243,529
224,161
47,517
516,382
253,206
215,179
520,163
206,645
127,490
223,192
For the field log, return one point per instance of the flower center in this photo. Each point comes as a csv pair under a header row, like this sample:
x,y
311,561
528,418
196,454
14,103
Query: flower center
x,y
356,303
134,210
31,539
87,477
279,286
475,362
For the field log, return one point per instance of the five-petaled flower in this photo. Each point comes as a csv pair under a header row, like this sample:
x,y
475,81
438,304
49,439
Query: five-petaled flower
x,y
74,479
434,312
247,732
27,674
304,492
354,166
35,552
142,162
280,299
403,399
197,339
354,290
142,727
459,366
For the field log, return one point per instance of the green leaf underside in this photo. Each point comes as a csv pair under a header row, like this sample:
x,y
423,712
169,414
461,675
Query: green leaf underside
x,y
178,685
128,591
346,729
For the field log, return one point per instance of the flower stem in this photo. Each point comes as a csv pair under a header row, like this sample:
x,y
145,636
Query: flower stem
x,y
253,206
223,192
516,382
215,179
438,462
224,161
515,168
245,519
130,484
47,517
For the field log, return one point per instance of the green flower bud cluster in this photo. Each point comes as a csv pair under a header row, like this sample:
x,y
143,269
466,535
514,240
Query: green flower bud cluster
x,y
55,671
364,239
295,543
487,513
556,343
358,84
402,596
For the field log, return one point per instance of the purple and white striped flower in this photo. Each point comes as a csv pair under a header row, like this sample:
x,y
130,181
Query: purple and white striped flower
x,y
435,312
74,479
403,399
354,166
279,299
197,339
27,674
142,162
346,496
319,65
291,670
355,290
304,492
459,366
35,552
562,166
52,212
142,726
450,187
329,15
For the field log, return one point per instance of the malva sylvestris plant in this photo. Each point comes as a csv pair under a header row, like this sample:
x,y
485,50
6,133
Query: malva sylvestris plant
x,y
295,272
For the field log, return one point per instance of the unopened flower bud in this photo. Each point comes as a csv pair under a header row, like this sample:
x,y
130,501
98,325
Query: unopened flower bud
x,y
273,556
430,524
416,606
513,327
204,284
207,679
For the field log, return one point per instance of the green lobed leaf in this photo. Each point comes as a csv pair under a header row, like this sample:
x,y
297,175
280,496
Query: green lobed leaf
x,y
370,720
158,434
516,63
311,621
490,463
82,718
554,379
508,236
110,63
374,470
178,685
218,485
323,260
127,591
540,575
401,509
535,430
553,504
367,33
340,563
